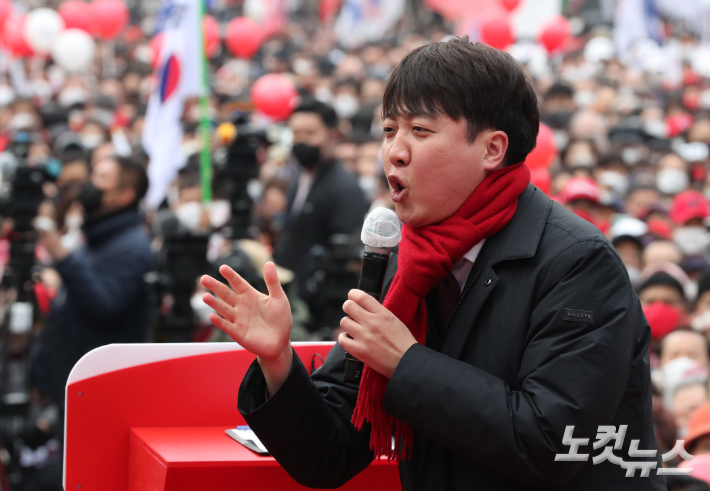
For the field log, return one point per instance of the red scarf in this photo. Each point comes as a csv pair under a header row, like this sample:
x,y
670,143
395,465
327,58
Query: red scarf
x,y
425,255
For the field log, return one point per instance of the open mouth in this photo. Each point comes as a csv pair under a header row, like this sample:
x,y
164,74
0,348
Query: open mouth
x,y
398,191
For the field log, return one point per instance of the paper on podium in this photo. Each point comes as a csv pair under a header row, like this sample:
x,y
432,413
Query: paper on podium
x,y
245,436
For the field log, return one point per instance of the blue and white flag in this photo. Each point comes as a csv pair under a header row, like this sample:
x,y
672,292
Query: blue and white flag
x,y
634,20
177,77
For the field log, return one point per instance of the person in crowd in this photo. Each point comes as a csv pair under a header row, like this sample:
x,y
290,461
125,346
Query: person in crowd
x,y
324,202
103,298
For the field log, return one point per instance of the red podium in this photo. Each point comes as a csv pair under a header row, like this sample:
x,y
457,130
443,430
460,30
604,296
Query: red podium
x,y
153,417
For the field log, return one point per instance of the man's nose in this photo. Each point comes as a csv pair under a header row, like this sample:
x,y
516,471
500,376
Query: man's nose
x,y
399,153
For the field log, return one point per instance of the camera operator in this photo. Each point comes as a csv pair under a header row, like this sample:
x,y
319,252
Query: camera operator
x,y
325,200
103,298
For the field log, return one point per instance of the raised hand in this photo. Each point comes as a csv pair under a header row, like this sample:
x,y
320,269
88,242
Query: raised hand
x,y
259,323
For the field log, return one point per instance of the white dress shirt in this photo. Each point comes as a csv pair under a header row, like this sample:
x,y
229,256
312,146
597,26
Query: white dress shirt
x,y
462,269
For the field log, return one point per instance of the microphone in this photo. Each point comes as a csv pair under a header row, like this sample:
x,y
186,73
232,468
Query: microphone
x,y
380,234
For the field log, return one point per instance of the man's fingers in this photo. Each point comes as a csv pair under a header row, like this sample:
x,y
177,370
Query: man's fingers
x,y
239,284
272,281
364,300
350,326
355,310
222,308
219,289
228,327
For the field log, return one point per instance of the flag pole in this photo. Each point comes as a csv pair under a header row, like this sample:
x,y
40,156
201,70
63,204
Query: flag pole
x,y
205,163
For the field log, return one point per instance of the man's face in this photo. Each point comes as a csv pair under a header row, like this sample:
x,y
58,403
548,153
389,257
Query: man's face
x,y
684,344
662,293
431,166
309,128
105,176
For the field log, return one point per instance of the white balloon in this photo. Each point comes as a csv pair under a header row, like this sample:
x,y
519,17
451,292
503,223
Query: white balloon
x,y
74,50
42,27
255,10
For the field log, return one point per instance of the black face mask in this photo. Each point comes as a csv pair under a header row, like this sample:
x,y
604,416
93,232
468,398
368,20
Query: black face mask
x,y
557,119
90,198
306,155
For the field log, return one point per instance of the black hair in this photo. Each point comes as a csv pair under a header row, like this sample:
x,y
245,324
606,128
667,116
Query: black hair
x,y
559,89
661,278
483,85
132,175
703,284
327,114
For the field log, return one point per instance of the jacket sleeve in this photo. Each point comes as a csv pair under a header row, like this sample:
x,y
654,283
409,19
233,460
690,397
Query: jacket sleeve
x,y
306,424
571,373
103,291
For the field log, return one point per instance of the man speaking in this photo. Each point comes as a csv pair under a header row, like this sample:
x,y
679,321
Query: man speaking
x,y
509,342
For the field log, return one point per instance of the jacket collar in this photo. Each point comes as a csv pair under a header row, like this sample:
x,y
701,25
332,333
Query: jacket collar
x,y
103,228
521,236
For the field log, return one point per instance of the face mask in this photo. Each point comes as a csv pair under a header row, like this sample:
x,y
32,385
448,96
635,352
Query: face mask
x,y
189,214
583,160
368,184
692,240
558,119
7,95
306,155
21,121
701,322
91,140
655,127
672,181
90,198
634,275
616,181
323,94
346,106
201,310
71,96
584,98
630,156
220,211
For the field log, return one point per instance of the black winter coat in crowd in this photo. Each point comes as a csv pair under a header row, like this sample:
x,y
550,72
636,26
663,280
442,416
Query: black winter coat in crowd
x,y
548,334
103,298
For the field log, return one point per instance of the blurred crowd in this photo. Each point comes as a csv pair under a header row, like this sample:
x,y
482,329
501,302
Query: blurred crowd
x,y
632,156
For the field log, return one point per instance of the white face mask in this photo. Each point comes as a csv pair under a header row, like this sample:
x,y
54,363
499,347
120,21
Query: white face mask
x,y
655,127
220,212
346,105
701,322
692,240
672,181
72,95
368,184
634,275
91,140
201,310
630,155
189,214
616,181
7,95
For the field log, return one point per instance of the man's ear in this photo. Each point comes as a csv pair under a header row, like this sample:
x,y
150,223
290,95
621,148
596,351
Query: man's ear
x,y
496,146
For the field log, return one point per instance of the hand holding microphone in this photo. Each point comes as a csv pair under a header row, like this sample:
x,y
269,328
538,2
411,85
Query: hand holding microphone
x,y
380,234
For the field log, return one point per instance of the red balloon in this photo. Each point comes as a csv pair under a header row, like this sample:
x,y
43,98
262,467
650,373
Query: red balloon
x,y
555,33
75,14
328,9
109,18
243,37
5,11
510,5
14,37
542,179
496,32
275,96
155,45
545,149
210,30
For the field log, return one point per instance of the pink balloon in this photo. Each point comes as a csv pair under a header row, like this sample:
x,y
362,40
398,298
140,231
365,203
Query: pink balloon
x,y
76,14
109,18
496,31
510,5
14,38
211,33
275,96
243,37
155,45
555,33
545,150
